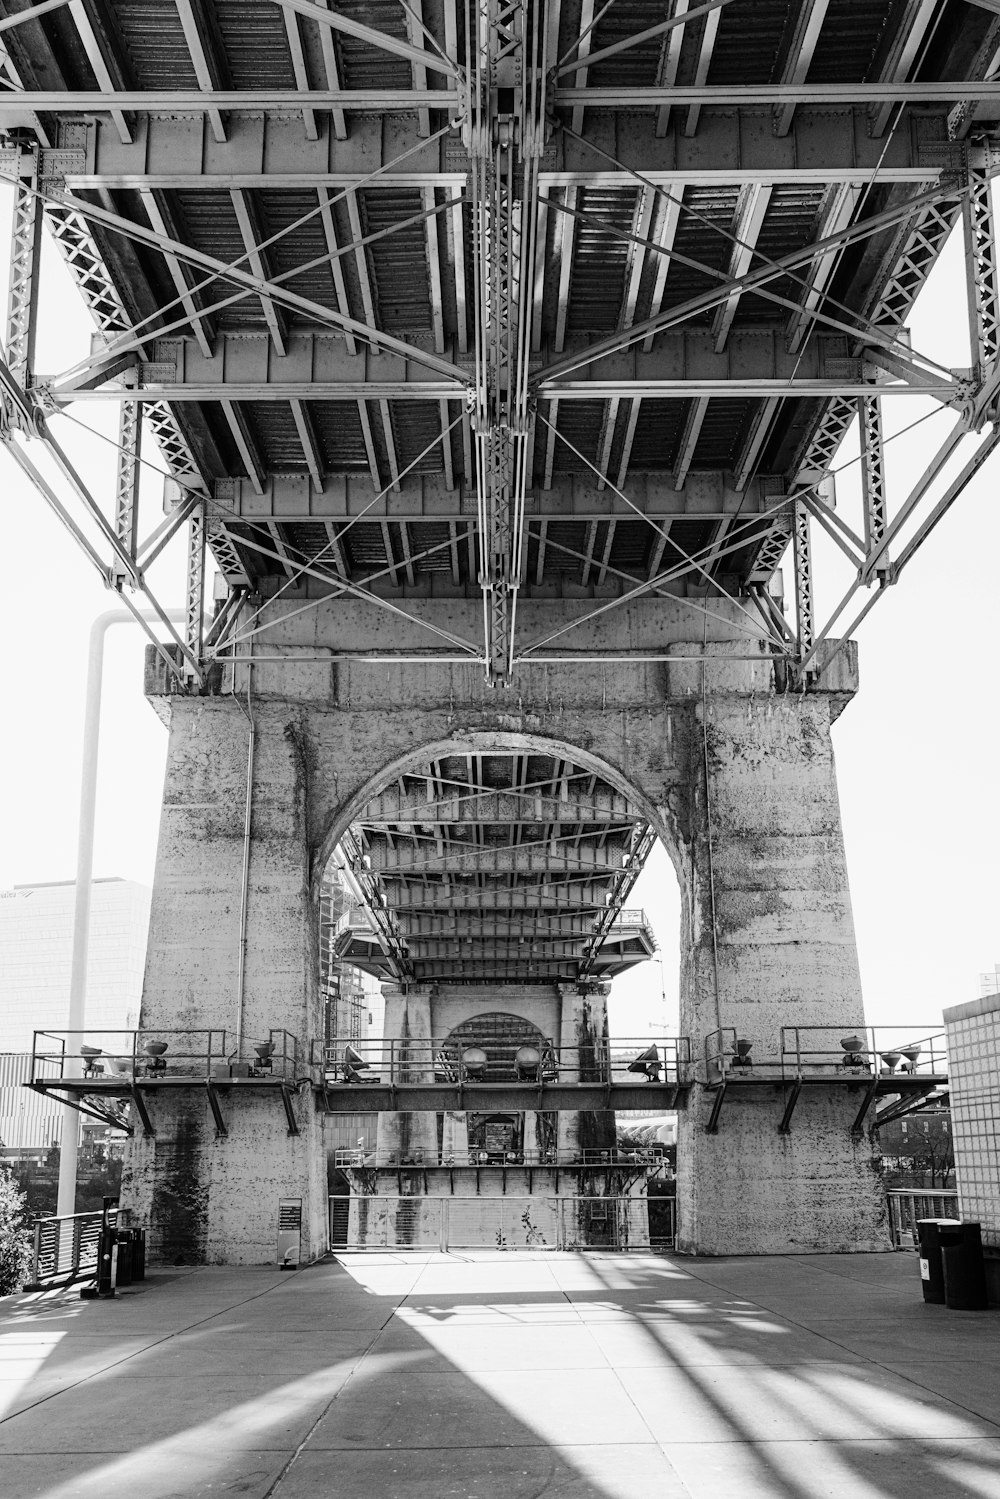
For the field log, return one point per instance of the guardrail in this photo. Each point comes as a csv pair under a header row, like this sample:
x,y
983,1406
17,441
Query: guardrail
x,y
436,1060
881,1049
649,1158
810,1050
64,1247
509,1223
124,1056
906,1208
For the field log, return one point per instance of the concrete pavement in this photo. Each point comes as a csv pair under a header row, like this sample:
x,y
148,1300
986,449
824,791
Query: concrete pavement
x,y
504,1376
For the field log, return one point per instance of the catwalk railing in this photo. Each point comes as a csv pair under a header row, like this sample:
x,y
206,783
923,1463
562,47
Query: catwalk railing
x,y
650,1159
905,1065
430,1061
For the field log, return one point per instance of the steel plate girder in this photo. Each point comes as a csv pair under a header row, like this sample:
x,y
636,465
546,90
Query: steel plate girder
x,y
398,101
425,860
391,808
586,893
269,151
415,1097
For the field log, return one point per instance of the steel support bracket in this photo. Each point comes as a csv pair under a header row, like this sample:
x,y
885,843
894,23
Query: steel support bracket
x,y
143,1112
791,1099
712,1127
857,1128
213,1103
286,1098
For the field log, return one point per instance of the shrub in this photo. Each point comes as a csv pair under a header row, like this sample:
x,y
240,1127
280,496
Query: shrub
x,y
15,1236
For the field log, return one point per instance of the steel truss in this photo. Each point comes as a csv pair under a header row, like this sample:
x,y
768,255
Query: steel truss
x,y
505,104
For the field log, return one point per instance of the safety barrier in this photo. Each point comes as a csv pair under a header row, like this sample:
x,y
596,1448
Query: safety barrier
x,y
64,1247
906,1208
362,1222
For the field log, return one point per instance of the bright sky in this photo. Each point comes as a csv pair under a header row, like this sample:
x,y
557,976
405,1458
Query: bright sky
x,y
916,750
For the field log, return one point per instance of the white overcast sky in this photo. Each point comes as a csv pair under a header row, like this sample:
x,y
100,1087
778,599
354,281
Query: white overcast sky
x,y
916,749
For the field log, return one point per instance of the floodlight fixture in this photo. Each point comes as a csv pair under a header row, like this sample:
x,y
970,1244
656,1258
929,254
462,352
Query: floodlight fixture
x,y
648,1064
154,1056
91,1066
527,1063
353,1065
474,1061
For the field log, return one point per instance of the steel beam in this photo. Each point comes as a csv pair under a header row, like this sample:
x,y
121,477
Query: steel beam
x,y
802,549
981,271
873,481
22,283
798,58
127,480
391,101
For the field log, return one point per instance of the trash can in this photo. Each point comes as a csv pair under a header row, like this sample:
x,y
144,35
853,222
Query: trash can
x,y
929,1243
123,1261
964,1271
139,1254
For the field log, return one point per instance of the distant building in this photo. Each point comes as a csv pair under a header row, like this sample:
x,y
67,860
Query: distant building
x,y
36,941
973,1032
989,983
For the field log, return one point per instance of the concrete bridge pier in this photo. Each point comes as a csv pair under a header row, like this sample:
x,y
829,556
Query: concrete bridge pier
x,y
210,1198
770,943
735,776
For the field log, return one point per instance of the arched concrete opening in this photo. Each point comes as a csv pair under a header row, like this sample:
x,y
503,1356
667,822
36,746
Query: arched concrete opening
x,y
485,882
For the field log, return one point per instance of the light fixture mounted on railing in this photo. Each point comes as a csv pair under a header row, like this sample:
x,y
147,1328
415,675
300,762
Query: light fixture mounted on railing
x,y
474,1062
648,1064
91,1066
154,1057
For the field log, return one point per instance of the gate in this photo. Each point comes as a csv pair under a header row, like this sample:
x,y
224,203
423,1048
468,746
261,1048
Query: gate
x,y
507,1223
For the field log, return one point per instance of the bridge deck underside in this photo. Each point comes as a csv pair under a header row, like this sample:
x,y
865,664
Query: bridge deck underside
x,y
547,302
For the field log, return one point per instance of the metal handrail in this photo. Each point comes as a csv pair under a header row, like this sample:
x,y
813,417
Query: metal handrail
x,y
907,1207
433,1060
651,1157
108,1056
55,1254
885,1051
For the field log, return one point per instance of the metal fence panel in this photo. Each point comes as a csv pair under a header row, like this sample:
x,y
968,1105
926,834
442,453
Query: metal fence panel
x,y
502,1222
906,1208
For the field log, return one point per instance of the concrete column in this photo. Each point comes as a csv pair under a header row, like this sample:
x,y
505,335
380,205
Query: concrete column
x,y
455,1138
209,1199
583,1039
408,1019
770,942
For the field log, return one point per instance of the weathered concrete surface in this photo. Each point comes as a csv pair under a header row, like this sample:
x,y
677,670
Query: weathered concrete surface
x,y
736,777
505,1376
209,1200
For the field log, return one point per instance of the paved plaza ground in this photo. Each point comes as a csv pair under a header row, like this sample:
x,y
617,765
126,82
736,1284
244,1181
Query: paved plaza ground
x,y
504,1376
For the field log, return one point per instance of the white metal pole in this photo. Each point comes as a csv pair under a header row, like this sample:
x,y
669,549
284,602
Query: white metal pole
x,y
66,1201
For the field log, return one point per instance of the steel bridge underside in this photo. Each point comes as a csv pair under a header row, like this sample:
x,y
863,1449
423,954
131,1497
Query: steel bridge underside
x,y
500,302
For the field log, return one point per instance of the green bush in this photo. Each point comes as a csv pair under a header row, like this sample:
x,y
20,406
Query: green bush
x,y
15,1236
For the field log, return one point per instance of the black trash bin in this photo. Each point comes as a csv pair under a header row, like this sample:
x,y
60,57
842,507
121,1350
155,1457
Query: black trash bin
x,y
931,1233
964,1271
123,1262
139,1254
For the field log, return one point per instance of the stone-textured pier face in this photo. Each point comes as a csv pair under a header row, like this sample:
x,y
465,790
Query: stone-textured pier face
x,y
207,1199
771,944
736,776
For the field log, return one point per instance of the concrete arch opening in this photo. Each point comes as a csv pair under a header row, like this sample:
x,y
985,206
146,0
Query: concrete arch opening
x,y
485,887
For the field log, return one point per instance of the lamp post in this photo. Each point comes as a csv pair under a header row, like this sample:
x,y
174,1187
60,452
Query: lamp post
x,y
66,1200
